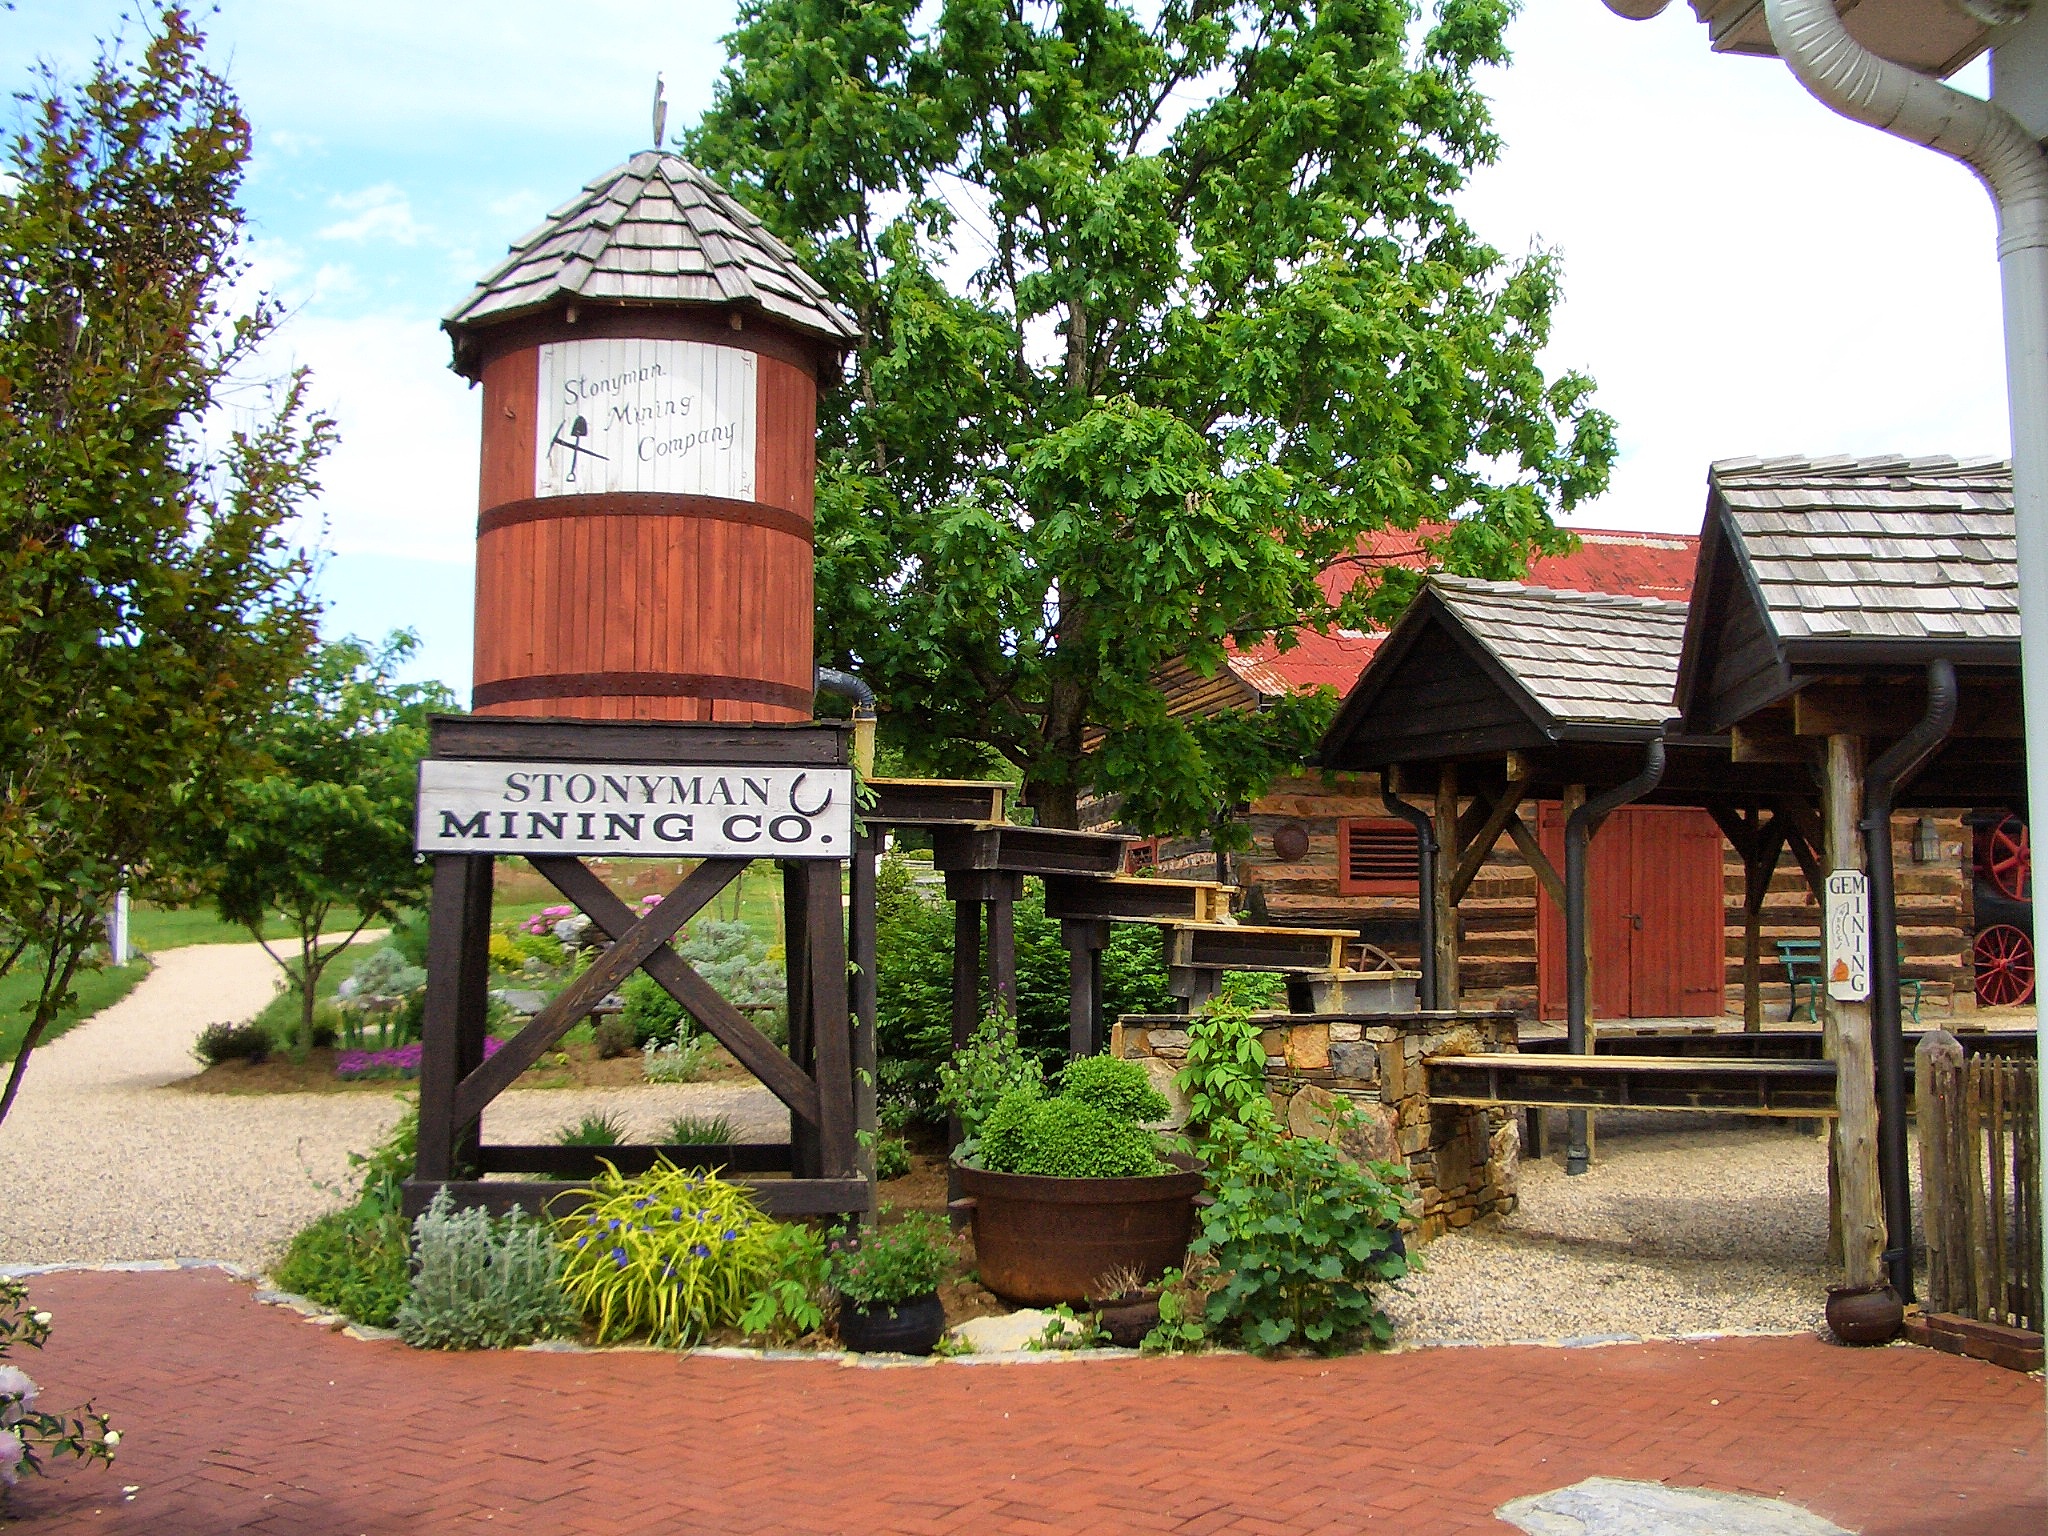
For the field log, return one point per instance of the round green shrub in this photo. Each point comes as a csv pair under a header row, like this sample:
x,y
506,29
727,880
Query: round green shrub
x,y
649,1012
1119,1087
1070,1139
1006,1131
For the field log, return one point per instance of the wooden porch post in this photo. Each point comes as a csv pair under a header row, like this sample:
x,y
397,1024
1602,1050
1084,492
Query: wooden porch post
x,y
1579,1122
457,1008
861,888
1846,1035
1446,813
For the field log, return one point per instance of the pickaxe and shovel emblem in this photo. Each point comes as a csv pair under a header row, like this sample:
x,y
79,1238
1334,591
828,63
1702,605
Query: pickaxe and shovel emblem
x,y
578,429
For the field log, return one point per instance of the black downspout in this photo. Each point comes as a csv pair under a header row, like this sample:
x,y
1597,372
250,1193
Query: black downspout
x,y
847,686
1578,833
1425,878
1881,782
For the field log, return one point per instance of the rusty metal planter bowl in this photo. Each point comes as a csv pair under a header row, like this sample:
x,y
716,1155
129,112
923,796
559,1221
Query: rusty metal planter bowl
x,y
1864,1314
1041,1241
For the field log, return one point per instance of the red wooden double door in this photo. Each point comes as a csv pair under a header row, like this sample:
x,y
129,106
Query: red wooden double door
x,y
1654,892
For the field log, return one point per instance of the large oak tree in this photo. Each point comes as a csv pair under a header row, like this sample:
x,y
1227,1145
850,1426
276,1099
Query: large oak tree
x,y
1162,306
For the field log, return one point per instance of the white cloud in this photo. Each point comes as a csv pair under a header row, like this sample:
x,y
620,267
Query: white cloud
x,y
1744,271
380,213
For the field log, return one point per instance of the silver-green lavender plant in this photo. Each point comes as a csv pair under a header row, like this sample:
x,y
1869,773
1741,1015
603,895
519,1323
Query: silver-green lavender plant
x,y
483,1283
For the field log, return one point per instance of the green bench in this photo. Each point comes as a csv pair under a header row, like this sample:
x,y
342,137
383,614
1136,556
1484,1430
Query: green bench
x,y
1802,961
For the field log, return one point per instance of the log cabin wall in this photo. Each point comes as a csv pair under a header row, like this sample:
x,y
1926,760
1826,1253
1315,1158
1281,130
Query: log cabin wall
x,y
1498,957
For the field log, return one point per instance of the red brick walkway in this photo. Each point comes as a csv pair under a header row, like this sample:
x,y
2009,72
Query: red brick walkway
x,y
244,1418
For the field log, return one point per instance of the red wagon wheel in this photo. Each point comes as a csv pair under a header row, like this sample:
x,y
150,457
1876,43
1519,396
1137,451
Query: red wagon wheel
x,y
2005,966
2005,859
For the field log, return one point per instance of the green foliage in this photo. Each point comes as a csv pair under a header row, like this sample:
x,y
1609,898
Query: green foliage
x,y
791,1302
668,1254
1120,1087
688,1130
683,1062
913,966
483,1283
726,953
220,1042
984,1070
1005,1139
1064,1331
1141,354
1092,1129
596,1129
1067,1139
387,973
613,1038
152,608
1224,1074
888,1266
1301,1235
892,1158
357,1260
1184,1296
91,991
326,819
654,1017
28,1433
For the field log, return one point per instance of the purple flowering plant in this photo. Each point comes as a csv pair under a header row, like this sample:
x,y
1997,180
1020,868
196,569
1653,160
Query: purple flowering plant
x,y
399,1061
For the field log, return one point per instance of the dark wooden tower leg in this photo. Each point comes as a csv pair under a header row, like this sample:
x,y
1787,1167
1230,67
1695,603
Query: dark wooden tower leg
x,y
457,1009
831,1031
800,977
861,920
1085,938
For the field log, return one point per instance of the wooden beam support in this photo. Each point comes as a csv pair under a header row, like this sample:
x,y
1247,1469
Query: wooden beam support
x,y
1473,858
1526,844
1759,743
1986,709
726,1024
575,1001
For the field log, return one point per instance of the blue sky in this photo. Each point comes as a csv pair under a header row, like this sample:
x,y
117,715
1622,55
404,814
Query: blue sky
x,y
1744,272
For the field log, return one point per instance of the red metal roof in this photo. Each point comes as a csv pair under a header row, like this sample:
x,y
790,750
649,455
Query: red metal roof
x,y
1612,560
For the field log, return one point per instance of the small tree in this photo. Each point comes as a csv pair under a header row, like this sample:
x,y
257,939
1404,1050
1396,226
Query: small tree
x,y
150,608
326,821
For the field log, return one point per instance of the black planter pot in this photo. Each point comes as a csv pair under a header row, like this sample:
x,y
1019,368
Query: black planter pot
x,y
908,1328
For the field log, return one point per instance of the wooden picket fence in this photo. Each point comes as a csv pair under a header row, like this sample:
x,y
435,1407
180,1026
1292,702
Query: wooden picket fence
x,y
1980,1179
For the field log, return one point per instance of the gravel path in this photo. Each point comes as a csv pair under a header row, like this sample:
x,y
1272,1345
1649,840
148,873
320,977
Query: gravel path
x,y
98,1163
1684,1224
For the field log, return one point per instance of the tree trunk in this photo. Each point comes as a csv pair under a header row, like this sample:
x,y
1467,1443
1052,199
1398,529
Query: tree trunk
x,y
306,979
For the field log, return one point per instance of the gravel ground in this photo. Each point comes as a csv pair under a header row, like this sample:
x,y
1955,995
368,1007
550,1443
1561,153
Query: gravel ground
x,y
1684,1224
99,1164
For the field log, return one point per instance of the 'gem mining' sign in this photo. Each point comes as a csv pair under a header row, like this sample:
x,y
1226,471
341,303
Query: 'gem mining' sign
x,y
671,417
625,810
1848,935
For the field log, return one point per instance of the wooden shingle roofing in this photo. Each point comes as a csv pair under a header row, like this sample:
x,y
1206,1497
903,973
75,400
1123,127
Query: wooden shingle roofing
x,y
1585,658
655,230
1808,565
1478,667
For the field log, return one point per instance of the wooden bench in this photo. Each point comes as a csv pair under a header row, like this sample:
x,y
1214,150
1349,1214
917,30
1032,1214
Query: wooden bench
x,y
1803,968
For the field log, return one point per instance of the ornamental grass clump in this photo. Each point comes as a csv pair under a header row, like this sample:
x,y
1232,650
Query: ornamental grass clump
x,y
483,1282
668,1254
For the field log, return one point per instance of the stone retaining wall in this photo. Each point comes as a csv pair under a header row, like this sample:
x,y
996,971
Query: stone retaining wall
x,y
1460,1158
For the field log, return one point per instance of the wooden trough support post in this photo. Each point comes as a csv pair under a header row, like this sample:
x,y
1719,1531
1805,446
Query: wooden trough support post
x,y
1085,938
1760,844
861,941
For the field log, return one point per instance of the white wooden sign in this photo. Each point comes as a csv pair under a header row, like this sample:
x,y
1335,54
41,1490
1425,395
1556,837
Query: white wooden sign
x,y
628,809
619,414
1847,950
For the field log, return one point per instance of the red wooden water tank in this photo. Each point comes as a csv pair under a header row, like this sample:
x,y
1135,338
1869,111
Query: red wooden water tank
x,y
650,360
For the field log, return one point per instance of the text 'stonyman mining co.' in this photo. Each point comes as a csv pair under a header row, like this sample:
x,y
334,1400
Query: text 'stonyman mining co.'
x,y
624,810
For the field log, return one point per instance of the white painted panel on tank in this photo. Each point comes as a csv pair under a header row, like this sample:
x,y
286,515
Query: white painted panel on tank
x,y
623,414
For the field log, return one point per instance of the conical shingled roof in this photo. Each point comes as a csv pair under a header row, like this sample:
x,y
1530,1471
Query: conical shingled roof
x,y
655,230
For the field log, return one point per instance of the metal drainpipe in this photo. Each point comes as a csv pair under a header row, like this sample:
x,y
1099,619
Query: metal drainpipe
x,y
1578,833
1425,879
1881,781
847,686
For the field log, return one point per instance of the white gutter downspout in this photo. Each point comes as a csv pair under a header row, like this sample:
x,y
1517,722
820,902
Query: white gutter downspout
x,y
1858,84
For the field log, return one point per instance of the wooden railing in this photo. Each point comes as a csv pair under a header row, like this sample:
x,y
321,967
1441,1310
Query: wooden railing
x,y
1980,1181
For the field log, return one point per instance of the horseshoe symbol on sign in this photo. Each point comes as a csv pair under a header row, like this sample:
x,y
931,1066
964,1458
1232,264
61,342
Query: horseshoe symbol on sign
x,y
815,812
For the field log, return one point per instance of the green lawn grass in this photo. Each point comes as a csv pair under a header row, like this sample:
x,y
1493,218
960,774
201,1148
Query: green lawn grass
x,y
92,991
155,928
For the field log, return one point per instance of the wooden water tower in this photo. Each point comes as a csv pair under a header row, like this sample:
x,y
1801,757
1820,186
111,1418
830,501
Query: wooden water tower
x,y
650,359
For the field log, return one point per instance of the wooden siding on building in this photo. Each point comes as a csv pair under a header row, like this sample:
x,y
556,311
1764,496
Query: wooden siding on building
x,y
1499,956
